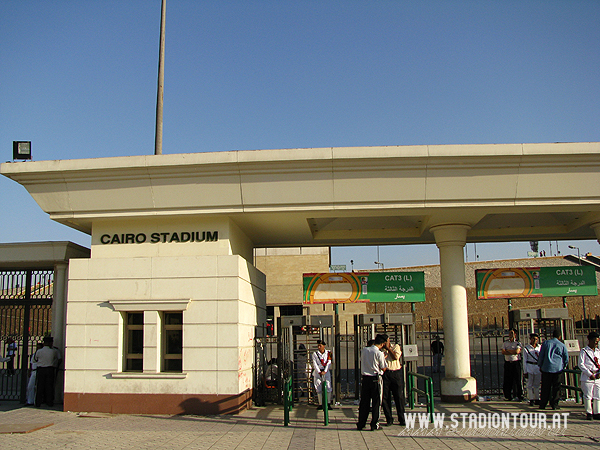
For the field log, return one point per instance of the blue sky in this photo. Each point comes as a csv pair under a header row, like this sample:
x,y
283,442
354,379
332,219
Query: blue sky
x,y
78,79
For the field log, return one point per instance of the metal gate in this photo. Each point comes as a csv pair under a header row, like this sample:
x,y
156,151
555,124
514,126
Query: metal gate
x,y
276,357
304,345
25,318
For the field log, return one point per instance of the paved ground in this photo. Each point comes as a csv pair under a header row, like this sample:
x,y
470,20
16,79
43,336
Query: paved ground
x,y
262,428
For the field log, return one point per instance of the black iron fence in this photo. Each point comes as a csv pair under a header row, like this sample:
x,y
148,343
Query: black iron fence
x,y
485,339
25,318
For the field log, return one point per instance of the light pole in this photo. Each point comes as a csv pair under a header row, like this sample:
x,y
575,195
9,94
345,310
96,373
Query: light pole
x,y
352,264
582,297
578,254
379,264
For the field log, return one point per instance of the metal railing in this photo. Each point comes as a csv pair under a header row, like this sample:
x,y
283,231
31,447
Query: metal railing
x,y
288,400
575,386
428,392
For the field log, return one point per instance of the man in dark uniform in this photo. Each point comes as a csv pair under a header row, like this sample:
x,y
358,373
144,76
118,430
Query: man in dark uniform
x,y
437,351
511,350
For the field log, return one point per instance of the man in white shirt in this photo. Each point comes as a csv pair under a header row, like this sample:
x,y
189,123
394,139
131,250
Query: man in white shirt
x,y
32,377
321,362
531,370
511,350
373,365
589,363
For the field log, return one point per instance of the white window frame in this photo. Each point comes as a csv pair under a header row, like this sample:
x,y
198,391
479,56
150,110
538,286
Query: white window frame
x,y
164,356
153,367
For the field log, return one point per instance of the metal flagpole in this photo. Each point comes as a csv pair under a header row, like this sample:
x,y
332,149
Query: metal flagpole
x,y
161,80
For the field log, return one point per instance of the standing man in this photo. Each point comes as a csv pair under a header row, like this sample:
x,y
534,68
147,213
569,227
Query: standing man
x,y
32,377
57,378
321,361
589,363
554,357
11,351
393,383
372,364
437,351
511,350
531,371
46,360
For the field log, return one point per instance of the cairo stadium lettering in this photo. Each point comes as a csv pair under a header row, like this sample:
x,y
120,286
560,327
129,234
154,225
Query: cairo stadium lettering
x,y
156,238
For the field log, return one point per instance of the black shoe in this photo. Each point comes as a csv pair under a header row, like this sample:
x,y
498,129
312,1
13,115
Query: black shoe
x,y
376,428
589,416
531,403
596,416
402,424
389,423
555,407
359,428
320,407
330,407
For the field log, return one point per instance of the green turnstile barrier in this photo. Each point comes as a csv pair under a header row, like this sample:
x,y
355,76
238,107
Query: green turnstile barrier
x,y
325,404
576,386
428,392
288,400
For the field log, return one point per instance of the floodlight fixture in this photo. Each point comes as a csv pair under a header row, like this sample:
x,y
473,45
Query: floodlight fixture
x,y
21,150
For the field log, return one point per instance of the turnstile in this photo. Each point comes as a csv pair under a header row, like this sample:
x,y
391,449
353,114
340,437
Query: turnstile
x,y
300,335
542,321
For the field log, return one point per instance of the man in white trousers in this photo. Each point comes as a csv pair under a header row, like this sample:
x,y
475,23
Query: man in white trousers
x,y
531,370
32,377
589,363
321,362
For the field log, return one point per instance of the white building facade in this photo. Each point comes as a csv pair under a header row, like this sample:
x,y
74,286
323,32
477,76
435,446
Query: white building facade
x,y
162,319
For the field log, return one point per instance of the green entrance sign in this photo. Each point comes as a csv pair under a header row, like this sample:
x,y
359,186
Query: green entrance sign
x,y
536,282
364,287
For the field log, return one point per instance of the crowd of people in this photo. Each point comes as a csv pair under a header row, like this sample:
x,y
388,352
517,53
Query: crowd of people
x,y
538,366
543,366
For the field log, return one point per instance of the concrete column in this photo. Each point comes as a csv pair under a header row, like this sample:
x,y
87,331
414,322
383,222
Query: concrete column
x,y
59,323
458,385
59,305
